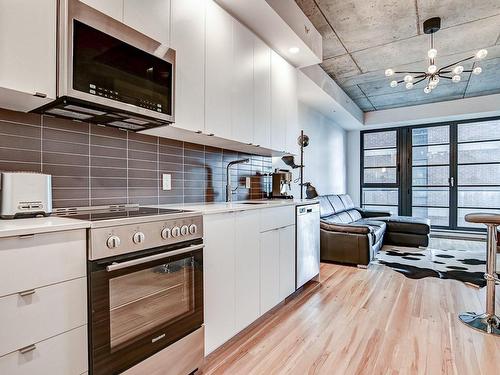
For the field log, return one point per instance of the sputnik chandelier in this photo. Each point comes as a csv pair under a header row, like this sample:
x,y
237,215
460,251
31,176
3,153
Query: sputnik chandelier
x,y
433,74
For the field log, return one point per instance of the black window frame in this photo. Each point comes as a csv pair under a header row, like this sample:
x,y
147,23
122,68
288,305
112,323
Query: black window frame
x,y
404,165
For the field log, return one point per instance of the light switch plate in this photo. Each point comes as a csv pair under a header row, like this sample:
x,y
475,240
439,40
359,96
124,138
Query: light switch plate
x,y
247,182
166,181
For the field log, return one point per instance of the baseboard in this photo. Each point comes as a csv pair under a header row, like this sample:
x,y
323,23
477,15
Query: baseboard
x,y
458,235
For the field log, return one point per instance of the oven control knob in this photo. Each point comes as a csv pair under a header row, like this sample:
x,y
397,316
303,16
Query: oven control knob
x,y
176,232
184,230
138,238
165,233
193,229
113,242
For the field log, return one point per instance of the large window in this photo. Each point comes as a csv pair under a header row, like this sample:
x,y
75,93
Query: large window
x,y
380,171
441,171
478,167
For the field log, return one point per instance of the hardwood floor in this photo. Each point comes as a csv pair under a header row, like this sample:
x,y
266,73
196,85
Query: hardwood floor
x,y
373,321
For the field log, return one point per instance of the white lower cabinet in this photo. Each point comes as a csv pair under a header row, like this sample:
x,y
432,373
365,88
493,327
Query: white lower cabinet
x,y
277,262
247,264
219,274
34,315
43,304
287,261
269,266
65,354
247,271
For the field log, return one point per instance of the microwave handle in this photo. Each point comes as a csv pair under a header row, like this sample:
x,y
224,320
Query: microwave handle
x,y
130,263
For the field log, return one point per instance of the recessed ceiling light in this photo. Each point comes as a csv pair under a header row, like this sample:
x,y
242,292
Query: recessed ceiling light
x,y
294,50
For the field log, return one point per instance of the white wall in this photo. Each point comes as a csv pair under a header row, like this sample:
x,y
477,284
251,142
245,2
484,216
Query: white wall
x,y
353,165
325,157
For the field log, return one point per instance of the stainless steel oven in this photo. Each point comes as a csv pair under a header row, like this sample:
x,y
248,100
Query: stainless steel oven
x,y
110,73
142,303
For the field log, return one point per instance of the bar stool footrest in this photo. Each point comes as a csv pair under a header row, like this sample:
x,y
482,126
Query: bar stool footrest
x,y
481,322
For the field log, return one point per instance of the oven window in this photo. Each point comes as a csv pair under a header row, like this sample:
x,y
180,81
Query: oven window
x,y
107,67
143,300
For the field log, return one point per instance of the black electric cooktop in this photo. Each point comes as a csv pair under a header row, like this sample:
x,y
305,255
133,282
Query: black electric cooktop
x,y
114,212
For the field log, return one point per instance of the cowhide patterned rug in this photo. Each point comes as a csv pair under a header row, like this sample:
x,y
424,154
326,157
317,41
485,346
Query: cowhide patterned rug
x,y
466,265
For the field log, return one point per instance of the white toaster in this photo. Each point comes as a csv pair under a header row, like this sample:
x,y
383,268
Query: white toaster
x,y
25,194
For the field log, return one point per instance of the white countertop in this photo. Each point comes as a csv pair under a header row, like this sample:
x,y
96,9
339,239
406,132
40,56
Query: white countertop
x,y
20,227
221,207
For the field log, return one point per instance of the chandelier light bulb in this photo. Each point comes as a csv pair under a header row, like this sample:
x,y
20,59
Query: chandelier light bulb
x,y
432,84
394,83
455,78
409,85
427,89
432,69
432,53
481,54
477,70
408,78
458,69
389,72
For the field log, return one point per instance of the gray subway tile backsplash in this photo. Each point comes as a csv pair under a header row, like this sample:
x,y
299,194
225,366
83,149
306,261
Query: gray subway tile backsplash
x,y
95,165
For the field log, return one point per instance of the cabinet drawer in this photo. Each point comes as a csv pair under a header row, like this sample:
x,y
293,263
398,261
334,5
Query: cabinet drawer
x,y
276,217
28,262
47,312
64,354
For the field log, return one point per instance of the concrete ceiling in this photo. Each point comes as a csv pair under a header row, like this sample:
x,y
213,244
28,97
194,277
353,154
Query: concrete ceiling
x,y
362,38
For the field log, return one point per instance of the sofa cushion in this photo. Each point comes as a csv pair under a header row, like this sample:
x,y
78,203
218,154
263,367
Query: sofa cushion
x,y
377,228
344,228
336,202
325,207
347,201
406,224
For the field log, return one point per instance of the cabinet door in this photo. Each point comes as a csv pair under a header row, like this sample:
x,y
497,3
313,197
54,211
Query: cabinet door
x,y
262,94
112,8
269,270
218,274
278,102
242,94
292,122
28,48
247,265
151,18
218,70
188,39
287,261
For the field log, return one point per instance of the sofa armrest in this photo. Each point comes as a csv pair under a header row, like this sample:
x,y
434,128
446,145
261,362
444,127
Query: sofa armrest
x,y
345,228
370,213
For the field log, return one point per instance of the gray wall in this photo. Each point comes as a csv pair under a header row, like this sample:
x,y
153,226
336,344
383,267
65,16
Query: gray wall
x,y
325,157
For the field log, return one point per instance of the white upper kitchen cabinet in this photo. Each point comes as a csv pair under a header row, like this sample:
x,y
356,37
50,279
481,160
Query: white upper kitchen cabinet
x,y
262,93
242,89
188,39
219,276
151,18
292,122
279,94
247,268
218,70
112,8
27,53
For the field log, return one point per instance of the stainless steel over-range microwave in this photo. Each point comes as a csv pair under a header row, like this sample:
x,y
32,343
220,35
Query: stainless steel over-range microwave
x,y
109,73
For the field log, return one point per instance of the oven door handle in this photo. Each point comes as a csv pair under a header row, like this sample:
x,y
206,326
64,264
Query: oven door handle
x,y
130,263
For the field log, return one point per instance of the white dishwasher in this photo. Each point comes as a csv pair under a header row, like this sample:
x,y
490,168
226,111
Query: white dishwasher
x,y
307,229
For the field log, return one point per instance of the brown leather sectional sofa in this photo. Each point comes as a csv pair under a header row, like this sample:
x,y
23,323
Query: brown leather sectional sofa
x,y
354,235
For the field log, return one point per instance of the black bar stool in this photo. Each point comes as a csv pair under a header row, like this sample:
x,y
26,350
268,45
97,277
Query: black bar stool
x,y
487,322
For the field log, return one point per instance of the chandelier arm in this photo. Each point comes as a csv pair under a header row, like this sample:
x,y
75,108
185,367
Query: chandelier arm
x,y
445,71
420,80
410,73
421,75
446,77
467,71
455,63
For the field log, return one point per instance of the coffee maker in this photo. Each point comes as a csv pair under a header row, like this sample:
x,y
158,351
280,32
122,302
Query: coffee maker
x,y
281,184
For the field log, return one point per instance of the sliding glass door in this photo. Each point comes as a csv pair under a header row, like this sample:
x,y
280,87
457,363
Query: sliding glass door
x,y
478,169
380,181
439,171
430,174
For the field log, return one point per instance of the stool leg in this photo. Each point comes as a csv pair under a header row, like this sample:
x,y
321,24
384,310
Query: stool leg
x,y
487,322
